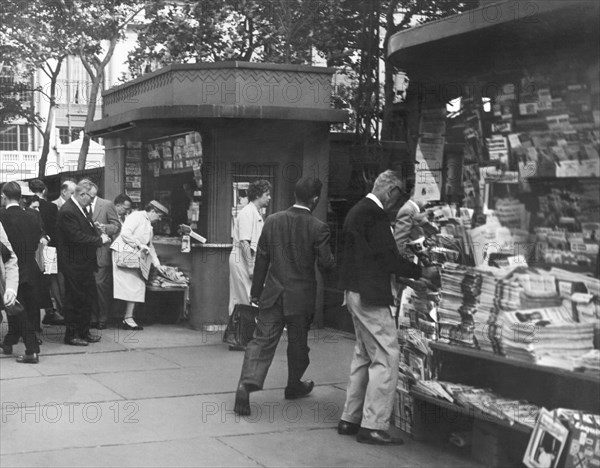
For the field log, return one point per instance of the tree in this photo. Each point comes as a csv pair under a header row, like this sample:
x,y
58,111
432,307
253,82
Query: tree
x,y
98,27
33,38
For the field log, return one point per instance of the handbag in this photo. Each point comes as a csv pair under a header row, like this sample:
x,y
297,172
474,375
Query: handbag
x,y
241,326
15,309
127,258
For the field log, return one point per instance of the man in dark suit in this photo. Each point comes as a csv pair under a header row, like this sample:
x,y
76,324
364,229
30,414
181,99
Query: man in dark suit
x,y
24,231
370,257
78,240
107,221
49,213
285,286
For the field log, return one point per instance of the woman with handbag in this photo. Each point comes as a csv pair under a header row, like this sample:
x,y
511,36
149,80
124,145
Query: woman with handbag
x,y
133,253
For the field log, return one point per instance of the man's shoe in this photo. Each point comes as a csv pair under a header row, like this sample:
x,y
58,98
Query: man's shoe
x,y
6,348
299,390
101,326
76,342
53,318
91,338
28,359
347,428
374,437
242,401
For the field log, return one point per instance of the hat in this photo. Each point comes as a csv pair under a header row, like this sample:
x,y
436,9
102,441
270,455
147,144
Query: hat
x,y
159,207
25,190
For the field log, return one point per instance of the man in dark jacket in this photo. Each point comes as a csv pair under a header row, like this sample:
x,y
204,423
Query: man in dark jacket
x,y
285,286
24,230
370,258
49,213
78,240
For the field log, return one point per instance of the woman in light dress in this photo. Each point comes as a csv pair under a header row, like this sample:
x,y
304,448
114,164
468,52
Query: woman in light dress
x,y
246,231
136,233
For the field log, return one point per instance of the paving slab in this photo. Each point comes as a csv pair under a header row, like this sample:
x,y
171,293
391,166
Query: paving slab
x,y
11,369
196,452
54,390
91,363
160,419
328,448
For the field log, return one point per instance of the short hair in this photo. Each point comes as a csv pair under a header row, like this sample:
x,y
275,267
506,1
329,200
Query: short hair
x,y
387,180
89,181
307,188
84,185
33,199
122,198
12,190
258,188
65,184
37,186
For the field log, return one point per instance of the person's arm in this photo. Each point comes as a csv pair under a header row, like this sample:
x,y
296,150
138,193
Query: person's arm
x,y
383,247
69,226
325,259
11,270
128,230
112,227
261,265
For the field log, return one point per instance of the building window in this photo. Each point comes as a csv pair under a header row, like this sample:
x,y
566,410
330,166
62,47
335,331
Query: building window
x,y
24,138
15,138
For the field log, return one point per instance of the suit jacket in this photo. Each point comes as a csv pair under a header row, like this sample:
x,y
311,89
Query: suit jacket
x,y
290,244
370,254
49,213
9,270
24,230
78,240
105,213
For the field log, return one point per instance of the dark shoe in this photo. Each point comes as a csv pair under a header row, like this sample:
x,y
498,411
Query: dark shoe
x,y
91,338
53,318
131,325
237,348
76,342
101,326
300,390
6,348
347,428
29,359
374,437
242,401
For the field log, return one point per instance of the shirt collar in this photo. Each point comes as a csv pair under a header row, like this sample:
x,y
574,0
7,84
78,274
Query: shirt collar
x,y
375,199
301,207
79,206
12,204
93,205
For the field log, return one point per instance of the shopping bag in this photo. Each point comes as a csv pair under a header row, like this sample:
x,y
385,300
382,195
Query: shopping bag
x,y
50,260
241,326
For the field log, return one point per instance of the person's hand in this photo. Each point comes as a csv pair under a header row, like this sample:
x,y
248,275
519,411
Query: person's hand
x,y
254,301
431,274
161,269
101,226
10,296
144,248
44,240
105,238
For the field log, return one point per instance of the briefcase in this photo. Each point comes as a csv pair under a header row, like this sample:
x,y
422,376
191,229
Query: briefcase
x,y
241,326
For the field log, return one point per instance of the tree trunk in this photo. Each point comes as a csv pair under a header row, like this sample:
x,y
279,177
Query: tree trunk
x,y
388,105
49,121
85,144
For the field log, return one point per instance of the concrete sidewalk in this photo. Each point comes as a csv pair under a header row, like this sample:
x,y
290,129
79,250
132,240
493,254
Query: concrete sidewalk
x,y
164,397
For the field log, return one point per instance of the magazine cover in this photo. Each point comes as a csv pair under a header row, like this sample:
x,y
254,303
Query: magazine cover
x,y
547,441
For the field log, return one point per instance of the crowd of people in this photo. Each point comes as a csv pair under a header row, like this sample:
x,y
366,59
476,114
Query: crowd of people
x,y
105,252
90,284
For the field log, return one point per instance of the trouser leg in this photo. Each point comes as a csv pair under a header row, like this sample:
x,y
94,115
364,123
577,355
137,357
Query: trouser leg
x,y
297,349
80,294
261,350
101,307
30,318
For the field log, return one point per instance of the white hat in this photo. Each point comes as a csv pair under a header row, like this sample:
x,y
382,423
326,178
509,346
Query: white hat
x,y
25,190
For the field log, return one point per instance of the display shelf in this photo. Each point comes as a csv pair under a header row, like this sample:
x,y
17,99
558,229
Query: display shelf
x,y
471,412
447,348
